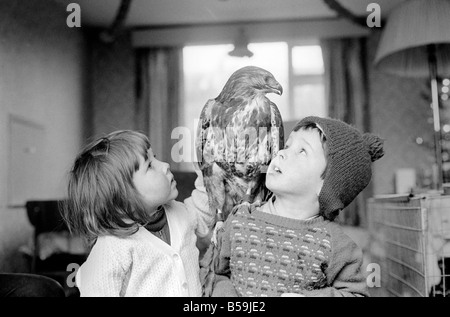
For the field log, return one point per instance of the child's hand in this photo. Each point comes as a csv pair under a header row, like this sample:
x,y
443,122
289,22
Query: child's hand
x,y
292,295
199,184
197,170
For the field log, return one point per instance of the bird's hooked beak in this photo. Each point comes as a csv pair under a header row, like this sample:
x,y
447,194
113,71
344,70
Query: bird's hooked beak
x,y
275,87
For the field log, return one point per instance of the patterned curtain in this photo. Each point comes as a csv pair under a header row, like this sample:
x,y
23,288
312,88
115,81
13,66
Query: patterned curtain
x,y
159,89
346,84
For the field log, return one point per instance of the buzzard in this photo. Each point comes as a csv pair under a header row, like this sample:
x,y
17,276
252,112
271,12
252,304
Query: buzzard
x,y
238,134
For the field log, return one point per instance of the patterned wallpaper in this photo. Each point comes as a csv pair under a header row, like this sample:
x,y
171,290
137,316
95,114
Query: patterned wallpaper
x,y
112,84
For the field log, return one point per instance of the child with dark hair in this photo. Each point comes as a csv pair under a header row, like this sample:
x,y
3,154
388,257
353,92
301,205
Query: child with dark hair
x,y
121,198
290,246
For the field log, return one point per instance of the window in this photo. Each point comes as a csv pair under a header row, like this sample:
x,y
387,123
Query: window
x,y
307,82
298,68
207,68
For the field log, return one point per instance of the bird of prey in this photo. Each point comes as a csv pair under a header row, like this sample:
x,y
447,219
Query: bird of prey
x,y
238,134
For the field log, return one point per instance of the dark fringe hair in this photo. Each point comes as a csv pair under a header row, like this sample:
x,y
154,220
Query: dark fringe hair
x,y
323,138
102,198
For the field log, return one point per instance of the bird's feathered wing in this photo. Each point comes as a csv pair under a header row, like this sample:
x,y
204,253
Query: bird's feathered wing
x,y
236,142
239,133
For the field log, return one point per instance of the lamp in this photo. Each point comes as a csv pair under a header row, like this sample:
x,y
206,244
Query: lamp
x,y
241,46
416,43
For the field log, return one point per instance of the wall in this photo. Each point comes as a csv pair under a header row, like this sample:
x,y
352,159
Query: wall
x,y
400,113
42,64
112,88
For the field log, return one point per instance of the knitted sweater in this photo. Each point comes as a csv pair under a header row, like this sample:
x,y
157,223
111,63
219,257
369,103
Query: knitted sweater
x,y
142,264
263,254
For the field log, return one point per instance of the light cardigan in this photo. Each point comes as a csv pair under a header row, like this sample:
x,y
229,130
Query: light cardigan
x,y
142,264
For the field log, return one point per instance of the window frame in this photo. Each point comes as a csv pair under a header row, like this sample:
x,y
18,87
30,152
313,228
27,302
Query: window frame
x,y
299,79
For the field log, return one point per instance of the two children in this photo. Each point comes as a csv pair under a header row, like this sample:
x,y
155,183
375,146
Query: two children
x,y
144,242
122,199
290,245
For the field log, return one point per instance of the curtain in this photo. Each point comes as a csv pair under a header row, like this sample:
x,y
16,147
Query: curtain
x,y
346,86
159,89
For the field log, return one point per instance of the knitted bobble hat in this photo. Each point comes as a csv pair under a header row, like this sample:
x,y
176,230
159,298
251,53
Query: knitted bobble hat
x,y
349,157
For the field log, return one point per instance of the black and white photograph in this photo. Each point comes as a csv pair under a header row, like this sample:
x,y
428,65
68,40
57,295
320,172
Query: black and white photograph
x,y
204,149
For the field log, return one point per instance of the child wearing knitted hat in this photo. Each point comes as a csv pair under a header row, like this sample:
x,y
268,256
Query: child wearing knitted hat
x,y
290,244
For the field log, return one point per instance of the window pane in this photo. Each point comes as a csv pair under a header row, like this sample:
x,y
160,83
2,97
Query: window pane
x,y
307,60
309,101
307,82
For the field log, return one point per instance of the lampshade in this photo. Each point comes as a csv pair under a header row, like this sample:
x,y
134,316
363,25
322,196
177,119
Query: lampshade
x,y
411,27
241,46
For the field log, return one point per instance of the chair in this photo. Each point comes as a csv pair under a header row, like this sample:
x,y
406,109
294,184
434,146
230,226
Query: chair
x,y
52,242
29,285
